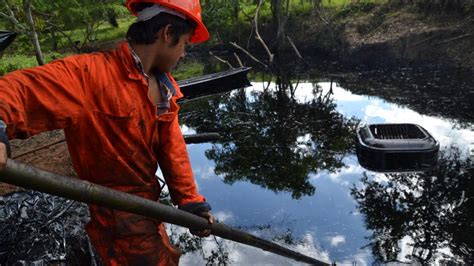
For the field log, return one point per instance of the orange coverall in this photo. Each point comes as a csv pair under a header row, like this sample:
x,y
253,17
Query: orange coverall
x,y
115,138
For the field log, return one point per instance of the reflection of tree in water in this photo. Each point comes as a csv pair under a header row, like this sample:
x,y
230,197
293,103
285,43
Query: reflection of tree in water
x,y
271,139
446,93
435,209
187,243
216,251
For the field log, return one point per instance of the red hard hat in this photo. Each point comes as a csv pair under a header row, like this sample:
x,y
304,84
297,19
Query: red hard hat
x,y
189,8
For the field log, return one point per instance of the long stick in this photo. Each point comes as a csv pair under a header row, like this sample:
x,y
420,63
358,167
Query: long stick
x,y
189,139
71,188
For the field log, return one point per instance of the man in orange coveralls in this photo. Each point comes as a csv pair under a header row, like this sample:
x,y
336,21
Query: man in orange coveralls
x,y
119,114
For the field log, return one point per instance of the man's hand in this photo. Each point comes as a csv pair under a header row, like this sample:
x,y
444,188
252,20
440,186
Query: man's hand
x,y
3,156
202,209
4,149
206,232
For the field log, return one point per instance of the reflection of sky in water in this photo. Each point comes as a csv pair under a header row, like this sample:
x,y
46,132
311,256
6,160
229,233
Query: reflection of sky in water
x,y
375,110
328,222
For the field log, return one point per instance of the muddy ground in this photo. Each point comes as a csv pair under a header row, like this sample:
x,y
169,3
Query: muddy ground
x,y
54,158
383,36
404,37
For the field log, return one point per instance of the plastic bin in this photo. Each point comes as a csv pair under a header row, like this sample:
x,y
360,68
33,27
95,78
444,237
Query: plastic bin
x,y
396,148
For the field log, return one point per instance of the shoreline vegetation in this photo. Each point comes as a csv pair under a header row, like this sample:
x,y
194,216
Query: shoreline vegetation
x,y
369,34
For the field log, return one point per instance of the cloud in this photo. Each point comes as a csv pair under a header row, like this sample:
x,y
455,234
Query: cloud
x,y
441,129
240,254
224,216
205,172
344,176
360,259
337,240
187,130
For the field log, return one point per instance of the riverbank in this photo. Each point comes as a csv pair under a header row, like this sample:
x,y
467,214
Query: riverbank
x,y
374,36
403,37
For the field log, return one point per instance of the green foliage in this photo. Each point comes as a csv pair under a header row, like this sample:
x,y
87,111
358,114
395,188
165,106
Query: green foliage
x,y
84,17
69,23
220,17
353,9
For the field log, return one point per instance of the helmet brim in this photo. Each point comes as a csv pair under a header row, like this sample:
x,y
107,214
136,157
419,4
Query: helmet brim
x,y
201,34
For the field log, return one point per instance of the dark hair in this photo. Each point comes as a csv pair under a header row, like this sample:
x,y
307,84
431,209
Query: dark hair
x,y
145,32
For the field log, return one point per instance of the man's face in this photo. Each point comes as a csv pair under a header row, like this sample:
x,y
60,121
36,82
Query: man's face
x,y
174,52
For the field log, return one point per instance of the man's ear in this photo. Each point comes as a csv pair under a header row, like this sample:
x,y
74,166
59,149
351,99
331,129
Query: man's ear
x,y
167,34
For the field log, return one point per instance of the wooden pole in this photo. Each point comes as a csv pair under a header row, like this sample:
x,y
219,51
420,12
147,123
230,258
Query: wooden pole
x,y
29,177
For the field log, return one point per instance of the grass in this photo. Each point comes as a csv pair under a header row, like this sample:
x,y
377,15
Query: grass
x,y
188,69
10,63
342,3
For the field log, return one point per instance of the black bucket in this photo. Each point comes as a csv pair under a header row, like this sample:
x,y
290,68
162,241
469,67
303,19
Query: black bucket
x,y
396,148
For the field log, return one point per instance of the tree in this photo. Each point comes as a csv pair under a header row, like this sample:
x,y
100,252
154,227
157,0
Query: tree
x,y
26,26
60,19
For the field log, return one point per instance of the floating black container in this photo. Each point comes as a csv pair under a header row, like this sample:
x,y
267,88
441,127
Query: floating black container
x,y
6,38
215,83
396,148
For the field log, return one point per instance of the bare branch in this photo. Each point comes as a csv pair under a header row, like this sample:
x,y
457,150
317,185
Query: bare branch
x,y
222,60
247,53
424,40
257,34
238,60
454,39
295,48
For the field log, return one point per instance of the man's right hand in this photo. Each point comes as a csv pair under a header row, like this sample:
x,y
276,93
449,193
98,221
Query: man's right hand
x,y
3,156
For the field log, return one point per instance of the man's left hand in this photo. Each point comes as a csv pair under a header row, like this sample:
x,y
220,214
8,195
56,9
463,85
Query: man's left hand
x,y
202,209
205,232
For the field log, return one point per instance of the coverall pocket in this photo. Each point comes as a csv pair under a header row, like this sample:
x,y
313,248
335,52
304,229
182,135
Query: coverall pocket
x,y
166,117
118,134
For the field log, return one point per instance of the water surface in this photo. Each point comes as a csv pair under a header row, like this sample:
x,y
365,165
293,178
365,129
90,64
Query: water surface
x,y
286,170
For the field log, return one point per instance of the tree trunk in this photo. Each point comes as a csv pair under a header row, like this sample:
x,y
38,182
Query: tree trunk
x,y
235,18
279,22
32,34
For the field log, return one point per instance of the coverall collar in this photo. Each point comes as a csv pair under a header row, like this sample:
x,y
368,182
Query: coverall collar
x,y
160,76
126,57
